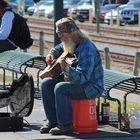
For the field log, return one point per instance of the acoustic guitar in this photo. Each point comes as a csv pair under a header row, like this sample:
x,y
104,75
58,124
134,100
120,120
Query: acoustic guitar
x,y
54,69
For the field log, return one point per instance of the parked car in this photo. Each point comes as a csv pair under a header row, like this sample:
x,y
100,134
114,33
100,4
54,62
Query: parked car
x,y
82,14
14,4
81,10
30,10
42,9
104,2
130,13
72,2
66,5
114,14
28,3
104,9
51,14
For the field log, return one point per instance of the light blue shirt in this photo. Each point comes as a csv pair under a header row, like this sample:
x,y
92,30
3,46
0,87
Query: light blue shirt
x,y
6,25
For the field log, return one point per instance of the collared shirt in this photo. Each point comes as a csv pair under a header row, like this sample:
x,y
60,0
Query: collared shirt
x,y
6,25
88,71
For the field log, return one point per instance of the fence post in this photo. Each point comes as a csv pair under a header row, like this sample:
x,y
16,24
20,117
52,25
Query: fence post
x,y
136,64
107,58
111,19
118,18
37,8
97,14
41,43
71,13
90,15
18,6
139,19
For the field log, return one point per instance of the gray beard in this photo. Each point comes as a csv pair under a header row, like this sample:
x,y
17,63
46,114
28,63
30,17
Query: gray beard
x,y
69,46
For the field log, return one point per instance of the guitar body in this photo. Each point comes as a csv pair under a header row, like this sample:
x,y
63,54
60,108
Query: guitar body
x,y
51,71
54,70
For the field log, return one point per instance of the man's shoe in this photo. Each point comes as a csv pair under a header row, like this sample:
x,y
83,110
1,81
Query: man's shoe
x,y
62,129
47,128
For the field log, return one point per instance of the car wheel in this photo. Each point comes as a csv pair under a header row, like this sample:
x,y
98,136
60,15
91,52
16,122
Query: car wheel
x,y
81,20
122,23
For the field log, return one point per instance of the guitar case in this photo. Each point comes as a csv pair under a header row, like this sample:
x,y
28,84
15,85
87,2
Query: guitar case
x,y
20,99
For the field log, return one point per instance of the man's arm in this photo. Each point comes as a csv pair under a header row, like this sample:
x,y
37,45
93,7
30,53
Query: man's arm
x,y
6,25
57,50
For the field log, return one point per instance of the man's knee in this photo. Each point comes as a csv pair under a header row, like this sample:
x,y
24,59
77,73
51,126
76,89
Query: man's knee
x,y
60,88
46,82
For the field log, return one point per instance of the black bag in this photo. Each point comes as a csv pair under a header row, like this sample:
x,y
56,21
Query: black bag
x,y
10,123
20,33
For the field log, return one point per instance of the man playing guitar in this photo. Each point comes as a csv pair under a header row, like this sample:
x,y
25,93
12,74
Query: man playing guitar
x,y
84,77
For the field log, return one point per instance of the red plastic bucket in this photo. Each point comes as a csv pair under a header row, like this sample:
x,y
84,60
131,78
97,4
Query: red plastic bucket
x,y
84,116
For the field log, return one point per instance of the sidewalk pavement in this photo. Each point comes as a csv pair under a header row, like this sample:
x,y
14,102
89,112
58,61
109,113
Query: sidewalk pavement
x,y
33,123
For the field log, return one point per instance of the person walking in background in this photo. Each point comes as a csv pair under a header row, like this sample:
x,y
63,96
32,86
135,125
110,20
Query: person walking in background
x,y
82,79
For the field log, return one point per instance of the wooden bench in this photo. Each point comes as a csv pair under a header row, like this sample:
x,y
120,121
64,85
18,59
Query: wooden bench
x,y
18,62
130,84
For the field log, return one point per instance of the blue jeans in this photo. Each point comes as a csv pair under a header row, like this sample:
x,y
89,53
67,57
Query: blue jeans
x,y
56,96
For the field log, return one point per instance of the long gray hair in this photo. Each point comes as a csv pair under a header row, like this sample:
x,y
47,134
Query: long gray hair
x,y
83,34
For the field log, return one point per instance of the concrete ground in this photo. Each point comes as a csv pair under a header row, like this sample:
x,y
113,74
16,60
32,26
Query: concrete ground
x,y
33,123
